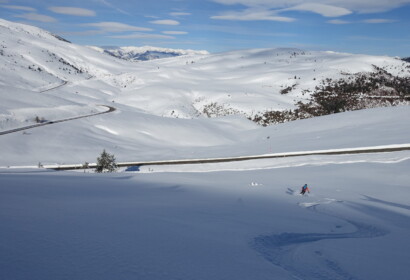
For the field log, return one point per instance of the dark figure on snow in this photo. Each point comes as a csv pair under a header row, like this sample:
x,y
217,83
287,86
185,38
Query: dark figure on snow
x,y
305,189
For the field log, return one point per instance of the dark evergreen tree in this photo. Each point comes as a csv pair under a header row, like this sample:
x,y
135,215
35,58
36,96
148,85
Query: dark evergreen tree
x,y
106,163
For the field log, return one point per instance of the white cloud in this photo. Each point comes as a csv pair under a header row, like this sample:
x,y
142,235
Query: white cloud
x,y
378,20
252,15
165,22
82,33
321,9
37,17
371,21
142,36
338,21
108,26
21,8
175,32
72,11
176,14
359,6
249,3
272,14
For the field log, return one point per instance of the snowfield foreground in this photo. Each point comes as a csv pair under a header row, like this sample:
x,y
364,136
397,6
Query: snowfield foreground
x,y
238,224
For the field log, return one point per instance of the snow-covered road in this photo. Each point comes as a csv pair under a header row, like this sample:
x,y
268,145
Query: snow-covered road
x,y
110,109
363,150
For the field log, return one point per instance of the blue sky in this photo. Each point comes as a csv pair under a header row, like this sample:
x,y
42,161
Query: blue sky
x,y
357,26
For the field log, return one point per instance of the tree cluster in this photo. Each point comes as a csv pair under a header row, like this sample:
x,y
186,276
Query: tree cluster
x,y
360,91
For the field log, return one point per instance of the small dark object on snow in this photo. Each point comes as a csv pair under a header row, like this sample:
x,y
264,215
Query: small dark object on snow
x,y
305,189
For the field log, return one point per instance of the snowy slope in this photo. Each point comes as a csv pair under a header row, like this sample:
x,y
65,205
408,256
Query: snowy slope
x,y
237,221
179,88
221,225
34,59
240,82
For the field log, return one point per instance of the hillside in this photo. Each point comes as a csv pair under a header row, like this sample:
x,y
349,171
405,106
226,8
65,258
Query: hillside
x,y
187,106
240,82
233,220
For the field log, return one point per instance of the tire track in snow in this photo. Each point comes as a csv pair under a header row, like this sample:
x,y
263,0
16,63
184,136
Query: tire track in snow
x,y
281,250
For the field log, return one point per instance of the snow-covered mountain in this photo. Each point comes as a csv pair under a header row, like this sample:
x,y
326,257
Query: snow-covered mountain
x,y
146,53
243,82
238,220
164,107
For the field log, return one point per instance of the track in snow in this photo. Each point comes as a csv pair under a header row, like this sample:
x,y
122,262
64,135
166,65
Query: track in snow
x,y
282,250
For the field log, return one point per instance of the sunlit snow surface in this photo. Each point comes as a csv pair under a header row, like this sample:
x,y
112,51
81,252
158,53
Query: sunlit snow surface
x,y
243,220
249,224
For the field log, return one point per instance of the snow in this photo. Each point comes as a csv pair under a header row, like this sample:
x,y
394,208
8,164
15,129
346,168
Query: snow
x,y
186,226
106,129
231,220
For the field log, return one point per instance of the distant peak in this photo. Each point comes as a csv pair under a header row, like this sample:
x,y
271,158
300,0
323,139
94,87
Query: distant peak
x,y
144,53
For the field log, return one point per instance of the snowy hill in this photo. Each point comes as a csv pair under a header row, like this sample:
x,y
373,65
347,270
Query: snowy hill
x,y
146,53
240,82
233,220
165,108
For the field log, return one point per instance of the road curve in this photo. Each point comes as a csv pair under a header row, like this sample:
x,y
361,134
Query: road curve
x,y
110,109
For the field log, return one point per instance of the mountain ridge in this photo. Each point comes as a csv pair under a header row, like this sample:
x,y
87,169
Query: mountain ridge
x,y
187,85
146,53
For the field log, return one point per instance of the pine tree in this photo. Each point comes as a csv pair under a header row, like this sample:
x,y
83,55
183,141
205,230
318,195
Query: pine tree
x,y
106,163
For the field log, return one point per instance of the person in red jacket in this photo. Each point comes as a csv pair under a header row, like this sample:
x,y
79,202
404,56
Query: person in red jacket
x,y
305,189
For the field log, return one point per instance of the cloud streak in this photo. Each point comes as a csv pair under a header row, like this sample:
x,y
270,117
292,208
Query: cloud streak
x,y
109,26
175,32
359,6
109,5
252,15
339,21
177,14
321,9
165,22
368,21
21,8
142,36
37,17
73,11
378,20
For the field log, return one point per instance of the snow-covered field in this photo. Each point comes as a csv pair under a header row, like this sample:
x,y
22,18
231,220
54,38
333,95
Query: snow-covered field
x,y
242,224
237,220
